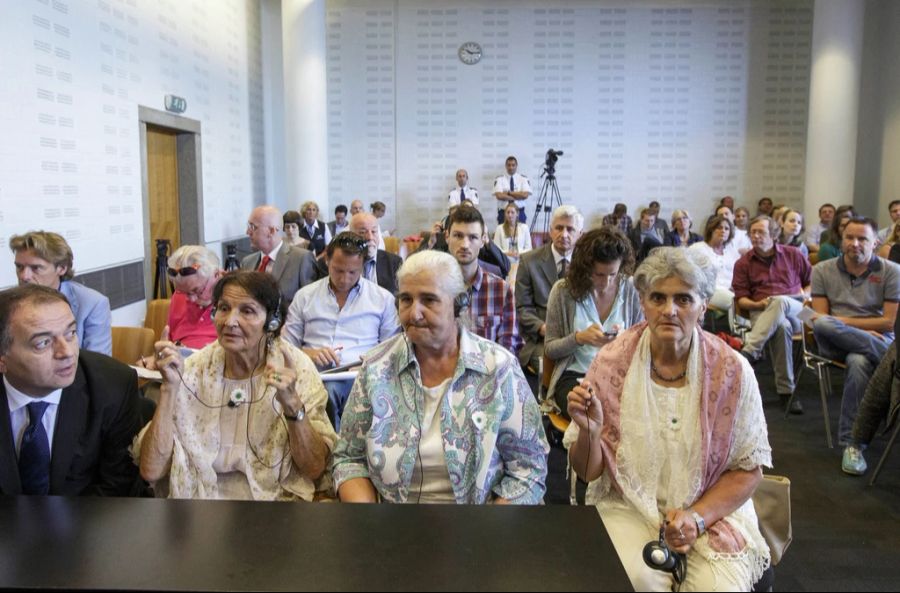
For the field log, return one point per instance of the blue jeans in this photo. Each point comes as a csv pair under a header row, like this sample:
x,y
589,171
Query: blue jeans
x,y
338,392
861,352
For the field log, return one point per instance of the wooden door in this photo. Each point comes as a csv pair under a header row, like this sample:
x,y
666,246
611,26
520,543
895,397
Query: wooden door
x,y
162,183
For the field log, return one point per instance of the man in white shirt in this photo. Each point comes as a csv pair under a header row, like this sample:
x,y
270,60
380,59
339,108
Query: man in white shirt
x,y
462,191
337,319
512,187
894,211
814,233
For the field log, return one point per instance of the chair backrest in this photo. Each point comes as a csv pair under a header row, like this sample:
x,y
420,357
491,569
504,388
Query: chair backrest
x,y
130,343
157,316
547,372
392,245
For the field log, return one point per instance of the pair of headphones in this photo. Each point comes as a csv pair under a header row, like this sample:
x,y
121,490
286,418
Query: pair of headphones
x,y
460,302
657,555
273,318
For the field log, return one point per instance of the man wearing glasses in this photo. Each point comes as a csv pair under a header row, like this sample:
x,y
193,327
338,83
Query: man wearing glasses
x,y
292,267
45,258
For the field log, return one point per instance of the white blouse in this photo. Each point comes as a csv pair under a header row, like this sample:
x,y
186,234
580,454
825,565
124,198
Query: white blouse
x,y
435,487
521,242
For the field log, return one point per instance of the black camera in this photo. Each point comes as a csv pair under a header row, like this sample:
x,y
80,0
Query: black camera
x,y
550,161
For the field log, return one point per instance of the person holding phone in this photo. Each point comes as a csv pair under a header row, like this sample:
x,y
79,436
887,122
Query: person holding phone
x,y
589,307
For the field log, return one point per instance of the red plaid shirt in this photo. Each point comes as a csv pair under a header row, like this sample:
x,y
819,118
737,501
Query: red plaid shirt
x,y
492,310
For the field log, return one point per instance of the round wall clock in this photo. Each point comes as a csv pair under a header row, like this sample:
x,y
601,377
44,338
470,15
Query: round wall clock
x,y
470,53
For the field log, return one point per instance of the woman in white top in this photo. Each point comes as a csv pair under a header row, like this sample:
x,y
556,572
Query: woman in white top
x,y
668,430
718,246
512,237
244,418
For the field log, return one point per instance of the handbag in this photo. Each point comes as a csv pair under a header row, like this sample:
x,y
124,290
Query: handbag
x,y
772,501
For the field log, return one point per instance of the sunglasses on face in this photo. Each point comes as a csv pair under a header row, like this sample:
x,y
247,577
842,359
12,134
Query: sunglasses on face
x,y
188,271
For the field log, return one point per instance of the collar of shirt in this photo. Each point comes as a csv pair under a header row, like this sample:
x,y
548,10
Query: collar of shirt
x,y
557,257
470,355
17,400
778,251
477,280
273,255
353,291
874,267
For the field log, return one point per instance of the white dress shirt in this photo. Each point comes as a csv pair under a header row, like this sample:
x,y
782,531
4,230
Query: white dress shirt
x,y
454,198
18,413
520,183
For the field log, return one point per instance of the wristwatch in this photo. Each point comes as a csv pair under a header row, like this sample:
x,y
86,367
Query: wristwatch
x,y
300,415
701,524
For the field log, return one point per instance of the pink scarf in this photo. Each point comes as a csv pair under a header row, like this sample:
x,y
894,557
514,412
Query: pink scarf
x,y
719,396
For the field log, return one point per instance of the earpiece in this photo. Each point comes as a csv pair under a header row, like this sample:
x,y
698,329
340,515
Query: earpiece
x,y
273,321
657,555
460,302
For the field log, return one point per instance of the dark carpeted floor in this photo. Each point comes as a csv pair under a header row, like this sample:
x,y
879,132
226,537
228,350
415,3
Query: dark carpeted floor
x,y
846,533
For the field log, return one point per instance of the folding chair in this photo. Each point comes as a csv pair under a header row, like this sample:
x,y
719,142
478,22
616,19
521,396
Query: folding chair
x,y
822,367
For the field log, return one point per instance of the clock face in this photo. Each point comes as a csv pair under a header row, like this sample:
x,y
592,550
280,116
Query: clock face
x,y
470,53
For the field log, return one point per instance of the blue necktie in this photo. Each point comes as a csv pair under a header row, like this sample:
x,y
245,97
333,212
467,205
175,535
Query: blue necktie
x,y
511,188
34,454
370,271
462,195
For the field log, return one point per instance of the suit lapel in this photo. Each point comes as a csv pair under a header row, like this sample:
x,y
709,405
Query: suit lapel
x,y
70,421
9,465
281,261
381,269
548,265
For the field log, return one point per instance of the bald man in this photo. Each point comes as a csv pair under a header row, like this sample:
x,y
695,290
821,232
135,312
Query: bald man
x,y
380,266
292,267
462,191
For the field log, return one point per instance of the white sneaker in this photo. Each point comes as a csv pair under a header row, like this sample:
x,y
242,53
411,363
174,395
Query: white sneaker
x,y
853,462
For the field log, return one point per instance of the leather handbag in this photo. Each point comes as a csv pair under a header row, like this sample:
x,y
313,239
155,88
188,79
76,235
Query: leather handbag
x,y
772,501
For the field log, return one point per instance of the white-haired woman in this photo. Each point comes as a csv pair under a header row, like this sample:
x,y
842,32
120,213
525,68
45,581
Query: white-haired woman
x,y
682,452
681,235
194,270
438,414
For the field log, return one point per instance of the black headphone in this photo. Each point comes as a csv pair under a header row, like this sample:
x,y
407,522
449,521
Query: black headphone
x,y
657,555
460,302
273,318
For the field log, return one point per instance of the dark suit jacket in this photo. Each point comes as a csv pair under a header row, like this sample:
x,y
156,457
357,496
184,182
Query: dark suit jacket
x,y
293,269
97,419
386,266
535,277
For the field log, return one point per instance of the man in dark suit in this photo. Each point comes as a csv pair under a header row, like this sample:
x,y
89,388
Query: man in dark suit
x,y
70,414
538,270
380,266
292,267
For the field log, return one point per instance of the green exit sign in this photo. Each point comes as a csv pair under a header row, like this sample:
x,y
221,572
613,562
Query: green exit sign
x,y
176,104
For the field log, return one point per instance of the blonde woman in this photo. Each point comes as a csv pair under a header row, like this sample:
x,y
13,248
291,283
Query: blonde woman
x,y
512,237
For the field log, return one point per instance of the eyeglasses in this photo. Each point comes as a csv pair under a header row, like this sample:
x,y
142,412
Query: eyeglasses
x,y
188,271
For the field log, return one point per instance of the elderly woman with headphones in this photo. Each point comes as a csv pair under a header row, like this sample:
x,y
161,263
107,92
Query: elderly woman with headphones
x,y
438,414
244,418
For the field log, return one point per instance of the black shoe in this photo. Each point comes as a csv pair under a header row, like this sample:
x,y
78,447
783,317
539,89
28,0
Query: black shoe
x,y
796,407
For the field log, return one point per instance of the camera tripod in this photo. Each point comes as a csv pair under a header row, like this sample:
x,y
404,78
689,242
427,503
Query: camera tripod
x,y
548,200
